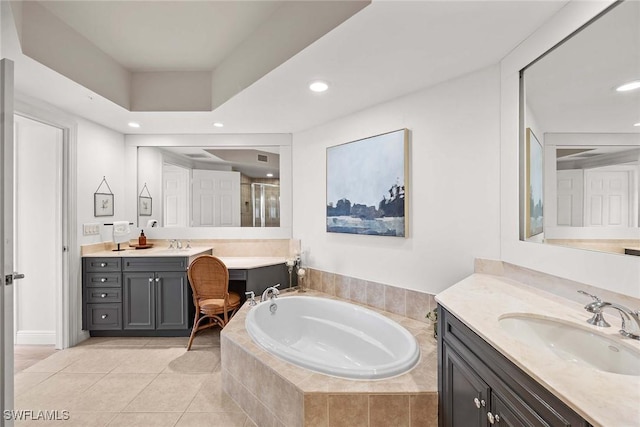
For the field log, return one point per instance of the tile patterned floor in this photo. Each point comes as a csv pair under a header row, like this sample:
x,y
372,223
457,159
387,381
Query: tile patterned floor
x,y
128,382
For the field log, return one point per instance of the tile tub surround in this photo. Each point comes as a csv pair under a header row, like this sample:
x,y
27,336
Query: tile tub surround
x,y
405,302
275,392
615,403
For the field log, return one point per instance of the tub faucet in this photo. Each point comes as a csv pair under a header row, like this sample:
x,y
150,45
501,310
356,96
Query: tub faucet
x,y
626,315
270,293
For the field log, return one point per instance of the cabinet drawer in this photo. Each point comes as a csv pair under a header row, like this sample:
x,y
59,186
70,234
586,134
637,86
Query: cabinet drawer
x,y
104,295
92,265
103,280
104,316
155,264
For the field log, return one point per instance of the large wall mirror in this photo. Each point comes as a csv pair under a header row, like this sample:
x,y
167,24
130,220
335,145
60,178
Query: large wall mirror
x,y
577,112
212,186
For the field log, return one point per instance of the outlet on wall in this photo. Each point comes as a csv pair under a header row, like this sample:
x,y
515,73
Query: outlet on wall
x,y
90,229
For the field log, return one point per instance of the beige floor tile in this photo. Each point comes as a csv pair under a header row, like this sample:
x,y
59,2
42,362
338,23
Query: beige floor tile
x,y
196,361
22,364
168,393
142,419
149,360
58,361
56,392
112,392
33,351
212,419
249,423
211,397
115,342
76,419
99,360
25,381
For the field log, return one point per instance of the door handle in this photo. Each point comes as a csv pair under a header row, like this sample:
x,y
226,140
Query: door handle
x,y
9,278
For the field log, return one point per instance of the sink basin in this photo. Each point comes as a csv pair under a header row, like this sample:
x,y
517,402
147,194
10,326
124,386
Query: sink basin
x,y
573,343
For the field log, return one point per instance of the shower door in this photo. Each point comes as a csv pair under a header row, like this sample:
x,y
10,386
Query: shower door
x,y
266,204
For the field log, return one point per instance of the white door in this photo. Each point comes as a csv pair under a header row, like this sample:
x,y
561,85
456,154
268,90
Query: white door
x,y
606,198
6,237
570,194
216,198
38,230
175,197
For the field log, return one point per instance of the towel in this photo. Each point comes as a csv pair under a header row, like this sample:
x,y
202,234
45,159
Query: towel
x,y
121,231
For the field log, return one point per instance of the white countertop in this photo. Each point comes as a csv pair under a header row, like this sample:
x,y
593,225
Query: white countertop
x,y
232,263
602,398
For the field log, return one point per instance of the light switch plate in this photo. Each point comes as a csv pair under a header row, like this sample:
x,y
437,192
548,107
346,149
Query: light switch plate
x,y
90,229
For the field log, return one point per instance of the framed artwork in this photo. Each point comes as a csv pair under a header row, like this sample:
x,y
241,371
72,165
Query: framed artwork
x,y
534,203
145,206
367,191
103,201
103,204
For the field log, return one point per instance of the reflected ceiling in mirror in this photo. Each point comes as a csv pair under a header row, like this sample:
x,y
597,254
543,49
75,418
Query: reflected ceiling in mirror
x,y
587,128
210,186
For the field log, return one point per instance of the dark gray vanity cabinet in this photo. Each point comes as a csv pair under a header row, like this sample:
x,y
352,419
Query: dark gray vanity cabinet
x,y
478,386
142,296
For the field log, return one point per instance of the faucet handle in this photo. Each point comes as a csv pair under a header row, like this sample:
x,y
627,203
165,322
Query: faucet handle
x,y
251,296
595,298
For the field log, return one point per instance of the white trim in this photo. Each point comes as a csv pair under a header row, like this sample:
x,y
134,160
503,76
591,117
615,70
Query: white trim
x,y
68,307
35,338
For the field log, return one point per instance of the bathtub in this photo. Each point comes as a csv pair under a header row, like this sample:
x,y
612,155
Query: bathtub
x,y
333,337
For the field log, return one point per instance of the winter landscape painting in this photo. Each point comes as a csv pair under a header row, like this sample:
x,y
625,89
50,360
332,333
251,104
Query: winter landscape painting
x,y
367,185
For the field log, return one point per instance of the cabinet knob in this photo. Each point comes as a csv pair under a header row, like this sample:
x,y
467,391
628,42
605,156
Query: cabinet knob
x,y
105,295
157,279
493,418
103,264
104,316
104,279
477,402
150,279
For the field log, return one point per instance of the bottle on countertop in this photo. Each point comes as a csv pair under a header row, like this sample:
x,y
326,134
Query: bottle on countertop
x,y
142,240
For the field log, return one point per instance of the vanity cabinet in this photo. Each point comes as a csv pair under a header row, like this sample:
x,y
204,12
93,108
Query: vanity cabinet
x,y
136,296
478,386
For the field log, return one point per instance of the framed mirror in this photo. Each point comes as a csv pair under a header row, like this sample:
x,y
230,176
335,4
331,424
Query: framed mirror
x,y
214,186
581,100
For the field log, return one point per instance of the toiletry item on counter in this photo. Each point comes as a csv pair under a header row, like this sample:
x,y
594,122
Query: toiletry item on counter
x,y
142,240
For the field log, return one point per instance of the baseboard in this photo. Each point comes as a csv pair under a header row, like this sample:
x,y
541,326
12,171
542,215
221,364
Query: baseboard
x,y
35,338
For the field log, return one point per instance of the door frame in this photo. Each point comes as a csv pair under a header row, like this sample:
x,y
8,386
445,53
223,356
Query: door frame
x,y
69,298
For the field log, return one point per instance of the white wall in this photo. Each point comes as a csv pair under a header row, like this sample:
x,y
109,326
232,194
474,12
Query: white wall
x,y
614,272
100,153
454,181
38,220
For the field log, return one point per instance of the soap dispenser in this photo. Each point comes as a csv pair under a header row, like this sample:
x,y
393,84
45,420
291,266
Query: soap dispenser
x,y
142,240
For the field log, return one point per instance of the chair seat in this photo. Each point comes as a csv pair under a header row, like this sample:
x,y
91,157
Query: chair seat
x,y
214,306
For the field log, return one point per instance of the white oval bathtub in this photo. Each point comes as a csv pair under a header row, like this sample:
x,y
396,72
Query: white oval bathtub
x,y
333,337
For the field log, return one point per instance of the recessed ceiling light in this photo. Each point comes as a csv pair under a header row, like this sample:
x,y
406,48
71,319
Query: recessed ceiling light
x,y
318,86
218,124
269,175
629,86
637,124
134,125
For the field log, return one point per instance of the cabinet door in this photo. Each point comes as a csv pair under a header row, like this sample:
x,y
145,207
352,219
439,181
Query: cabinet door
x,y
507,415
465,397
139,308
172,301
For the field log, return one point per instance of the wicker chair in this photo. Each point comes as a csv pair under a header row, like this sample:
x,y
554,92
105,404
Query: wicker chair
x,y
209,279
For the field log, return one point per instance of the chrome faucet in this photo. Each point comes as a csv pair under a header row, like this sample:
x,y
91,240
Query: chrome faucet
x,y
270,293
626,315
251,297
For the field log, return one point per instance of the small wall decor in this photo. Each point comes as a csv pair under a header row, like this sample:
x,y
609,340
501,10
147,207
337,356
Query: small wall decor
x,y
103,202
145,206
367,185
534,184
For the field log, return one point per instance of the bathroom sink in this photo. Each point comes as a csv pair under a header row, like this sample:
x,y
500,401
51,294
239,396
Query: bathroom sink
x,y
573,343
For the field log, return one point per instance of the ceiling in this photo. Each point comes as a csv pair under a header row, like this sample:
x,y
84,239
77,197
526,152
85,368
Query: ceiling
x,y
386,50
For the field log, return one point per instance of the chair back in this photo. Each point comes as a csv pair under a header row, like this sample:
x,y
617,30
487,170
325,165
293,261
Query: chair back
x,y
209,278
